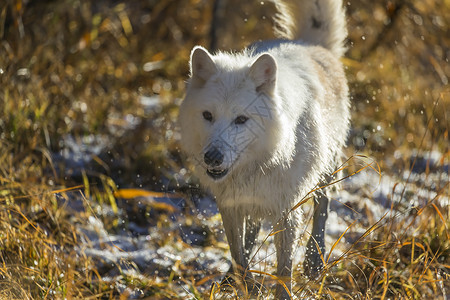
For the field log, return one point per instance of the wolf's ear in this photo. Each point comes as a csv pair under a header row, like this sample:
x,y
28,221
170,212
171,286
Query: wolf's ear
x,y
263,72
202,66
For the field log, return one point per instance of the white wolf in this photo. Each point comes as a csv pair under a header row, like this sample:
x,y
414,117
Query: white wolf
x,y
264,126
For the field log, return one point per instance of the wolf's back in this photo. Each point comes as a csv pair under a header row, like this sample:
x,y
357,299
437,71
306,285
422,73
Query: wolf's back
x,y
317,22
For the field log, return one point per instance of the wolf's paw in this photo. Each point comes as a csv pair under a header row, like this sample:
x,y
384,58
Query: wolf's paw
x,y
228,282
247,285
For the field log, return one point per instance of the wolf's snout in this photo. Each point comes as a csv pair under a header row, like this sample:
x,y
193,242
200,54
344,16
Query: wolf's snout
x,y
213,157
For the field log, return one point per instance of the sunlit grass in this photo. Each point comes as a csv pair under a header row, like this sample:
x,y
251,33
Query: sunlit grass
x,y
69,69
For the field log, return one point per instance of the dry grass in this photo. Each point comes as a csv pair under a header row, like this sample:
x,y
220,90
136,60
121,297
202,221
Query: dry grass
x,y
78,68
403,255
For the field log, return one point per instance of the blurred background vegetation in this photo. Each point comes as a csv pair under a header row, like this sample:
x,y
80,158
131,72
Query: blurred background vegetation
x,y
109,75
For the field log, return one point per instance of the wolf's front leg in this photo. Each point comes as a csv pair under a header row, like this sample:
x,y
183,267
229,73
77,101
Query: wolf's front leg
x,y
284,242
233,222
252,228
315,249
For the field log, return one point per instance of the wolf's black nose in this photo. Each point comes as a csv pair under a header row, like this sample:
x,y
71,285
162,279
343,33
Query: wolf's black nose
x,y
213,157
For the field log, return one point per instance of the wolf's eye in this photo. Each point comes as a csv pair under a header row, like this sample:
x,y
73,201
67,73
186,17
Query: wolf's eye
x,y
240,120
207,116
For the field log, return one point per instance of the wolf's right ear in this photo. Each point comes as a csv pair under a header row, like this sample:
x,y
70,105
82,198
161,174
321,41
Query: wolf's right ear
x,y
263,72
202,66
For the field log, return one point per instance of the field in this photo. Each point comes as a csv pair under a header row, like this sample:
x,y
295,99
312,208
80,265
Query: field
x,y
96,201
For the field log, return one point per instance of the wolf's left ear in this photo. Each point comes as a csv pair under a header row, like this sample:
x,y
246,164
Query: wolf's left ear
x,y
263,72
202,66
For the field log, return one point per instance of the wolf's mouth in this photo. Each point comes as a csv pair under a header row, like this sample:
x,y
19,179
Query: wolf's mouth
x,y
216,174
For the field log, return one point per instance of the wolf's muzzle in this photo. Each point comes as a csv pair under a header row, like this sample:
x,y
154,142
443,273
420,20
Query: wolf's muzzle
x,y
213,157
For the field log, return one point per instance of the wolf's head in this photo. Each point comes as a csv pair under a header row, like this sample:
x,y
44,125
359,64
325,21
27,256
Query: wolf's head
x,y
229,118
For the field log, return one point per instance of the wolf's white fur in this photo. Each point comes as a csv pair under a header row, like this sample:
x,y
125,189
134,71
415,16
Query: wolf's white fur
x,y
277,117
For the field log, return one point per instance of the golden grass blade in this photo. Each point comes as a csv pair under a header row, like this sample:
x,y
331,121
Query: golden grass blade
x,y
110,188
134,193
322,284
205,279
442,219
49,289
100,162
68,189
339,170
372,228
300,203
351,62
377,170
273,277
30,269
278,231
381,244
320,252
347,206
428,266
26,219
433,283
338,240
212,290
386,282
124,20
